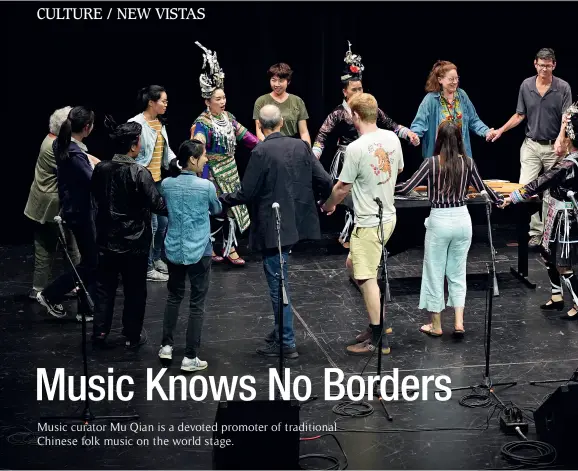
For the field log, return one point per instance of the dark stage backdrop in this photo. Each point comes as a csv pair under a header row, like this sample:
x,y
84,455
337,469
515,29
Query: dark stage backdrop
x,y
102,64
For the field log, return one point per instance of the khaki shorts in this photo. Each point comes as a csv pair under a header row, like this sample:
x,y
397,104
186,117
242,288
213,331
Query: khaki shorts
x,y
365,249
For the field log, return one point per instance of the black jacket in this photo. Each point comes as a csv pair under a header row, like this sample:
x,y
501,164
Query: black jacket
x,y
125,195
282,170
73,176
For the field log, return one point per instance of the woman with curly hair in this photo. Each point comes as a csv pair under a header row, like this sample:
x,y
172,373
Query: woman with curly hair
x,y
446,101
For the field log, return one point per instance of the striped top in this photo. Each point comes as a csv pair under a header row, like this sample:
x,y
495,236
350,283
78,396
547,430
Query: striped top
x,y
431,169
155,164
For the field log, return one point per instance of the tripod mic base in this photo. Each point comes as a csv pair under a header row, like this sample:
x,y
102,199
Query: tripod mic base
x,y
481,386
93,418
88,416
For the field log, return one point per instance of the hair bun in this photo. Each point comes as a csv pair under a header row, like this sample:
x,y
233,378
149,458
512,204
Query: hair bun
x,y
110,123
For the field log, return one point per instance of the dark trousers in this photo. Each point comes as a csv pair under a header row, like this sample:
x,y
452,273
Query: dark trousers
x,y
85,234
199,274
133,270
272,268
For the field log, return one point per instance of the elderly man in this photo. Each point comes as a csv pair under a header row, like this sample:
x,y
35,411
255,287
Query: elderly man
x,y
281,170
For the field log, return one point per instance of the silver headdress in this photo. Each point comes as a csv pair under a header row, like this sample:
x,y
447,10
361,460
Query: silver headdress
x,y
353,65
571,111
212,76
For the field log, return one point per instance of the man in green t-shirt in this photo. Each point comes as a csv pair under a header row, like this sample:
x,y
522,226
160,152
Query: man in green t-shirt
x,y
292,107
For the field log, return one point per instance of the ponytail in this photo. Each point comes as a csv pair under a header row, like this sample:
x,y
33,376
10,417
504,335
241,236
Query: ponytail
x,y
78,118
449,146
192,148
146,94
124,136
63,141
439,69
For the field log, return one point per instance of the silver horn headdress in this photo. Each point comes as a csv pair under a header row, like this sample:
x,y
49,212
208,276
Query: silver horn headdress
x,y
212,76
353,66
571,111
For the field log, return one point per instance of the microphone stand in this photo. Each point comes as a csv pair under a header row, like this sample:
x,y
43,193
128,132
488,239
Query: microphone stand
x,y
86,416
491,290
385,296
282,295
493,251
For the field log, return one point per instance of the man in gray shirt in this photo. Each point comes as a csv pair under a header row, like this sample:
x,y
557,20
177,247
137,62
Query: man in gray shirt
x,y
542,99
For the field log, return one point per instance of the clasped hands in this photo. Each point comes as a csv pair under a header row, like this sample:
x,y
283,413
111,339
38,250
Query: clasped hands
x,y
493,135
326,209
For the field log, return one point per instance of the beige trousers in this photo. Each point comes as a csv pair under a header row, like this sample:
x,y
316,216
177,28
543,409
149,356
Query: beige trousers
x,y
534,158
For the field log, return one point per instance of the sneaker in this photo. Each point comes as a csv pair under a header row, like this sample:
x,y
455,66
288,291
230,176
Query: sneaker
x,y
89,318
166,352
33,292
161,266
155,275
535,241
270,338
272,350
57,310
132,345
193,364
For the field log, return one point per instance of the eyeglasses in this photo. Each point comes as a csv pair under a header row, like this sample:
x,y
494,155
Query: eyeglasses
x,y
545,66
455,79
164,102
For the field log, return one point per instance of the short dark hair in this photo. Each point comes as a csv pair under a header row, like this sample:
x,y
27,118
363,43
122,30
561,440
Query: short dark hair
x,y
345,83
546,54
281,70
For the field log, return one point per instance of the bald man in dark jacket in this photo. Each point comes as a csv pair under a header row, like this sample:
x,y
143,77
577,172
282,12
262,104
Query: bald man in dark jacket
x,y
281,170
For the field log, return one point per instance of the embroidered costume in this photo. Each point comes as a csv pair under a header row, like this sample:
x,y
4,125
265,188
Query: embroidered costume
x,y
560,238
221,135
340,124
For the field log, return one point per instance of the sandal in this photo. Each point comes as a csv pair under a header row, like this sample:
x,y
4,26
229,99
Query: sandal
x,y
459,332
428,330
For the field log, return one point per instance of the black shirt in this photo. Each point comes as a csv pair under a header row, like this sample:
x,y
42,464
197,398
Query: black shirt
x,y
282,170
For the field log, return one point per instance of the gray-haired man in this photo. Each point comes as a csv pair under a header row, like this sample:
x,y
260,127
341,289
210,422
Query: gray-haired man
x,y
542,99
281,170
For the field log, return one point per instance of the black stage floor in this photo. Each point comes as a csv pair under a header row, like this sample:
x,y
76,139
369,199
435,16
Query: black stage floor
x,y
527,344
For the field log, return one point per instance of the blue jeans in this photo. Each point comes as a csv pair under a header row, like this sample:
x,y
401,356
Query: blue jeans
x,y
271,267
159,225
447,242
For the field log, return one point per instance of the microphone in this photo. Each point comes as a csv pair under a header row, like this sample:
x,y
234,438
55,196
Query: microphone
x,y
378,201
58,220
275,206
484,194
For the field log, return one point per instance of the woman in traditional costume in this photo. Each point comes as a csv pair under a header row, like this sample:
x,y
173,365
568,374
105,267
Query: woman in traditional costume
x,y
340,124
560,240
220,131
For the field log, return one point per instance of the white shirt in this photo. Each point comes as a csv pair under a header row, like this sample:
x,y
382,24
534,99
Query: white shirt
x,y
371,164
